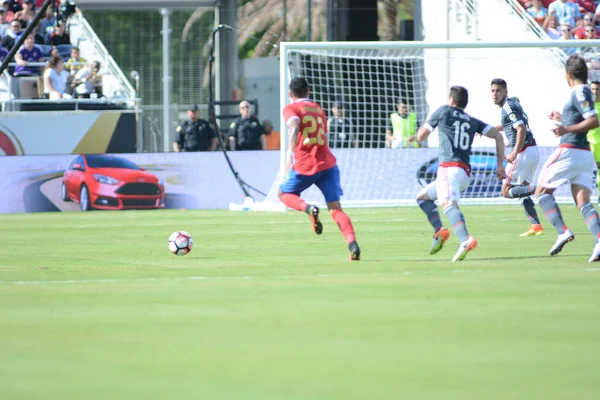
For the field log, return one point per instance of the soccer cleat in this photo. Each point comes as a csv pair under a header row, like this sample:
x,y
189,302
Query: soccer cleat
x,y
596,253
534,230
314,220
464,248
354,251
561,240
439,240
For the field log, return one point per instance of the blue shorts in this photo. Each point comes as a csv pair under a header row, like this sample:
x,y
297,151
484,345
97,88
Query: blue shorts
x,y
328,182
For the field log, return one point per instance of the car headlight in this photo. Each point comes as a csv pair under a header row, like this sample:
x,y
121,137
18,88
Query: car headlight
x,y
105,179
161,182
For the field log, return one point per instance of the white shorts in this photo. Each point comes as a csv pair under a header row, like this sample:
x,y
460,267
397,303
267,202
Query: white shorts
x,y
575,166
524,167
448,185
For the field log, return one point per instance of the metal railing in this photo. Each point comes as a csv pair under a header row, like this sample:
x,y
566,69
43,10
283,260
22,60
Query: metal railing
x,y
534,26
467,10
87,35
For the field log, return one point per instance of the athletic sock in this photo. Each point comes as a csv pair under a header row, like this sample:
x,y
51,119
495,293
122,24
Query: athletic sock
x,y
517,192
530,211
343,221
433,215
457,220
591,219
295,202
550,208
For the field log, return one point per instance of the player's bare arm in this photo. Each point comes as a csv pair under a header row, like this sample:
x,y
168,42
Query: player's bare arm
x,y
423,133
497,136
583,127
520,141
293,129
555,116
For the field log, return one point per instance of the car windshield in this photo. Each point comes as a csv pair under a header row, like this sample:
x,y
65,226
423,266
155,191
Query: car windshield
x,y
103,161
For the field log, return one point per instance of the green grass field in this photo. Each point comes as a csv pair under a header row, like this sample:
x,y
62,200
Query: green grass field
x,y
94,306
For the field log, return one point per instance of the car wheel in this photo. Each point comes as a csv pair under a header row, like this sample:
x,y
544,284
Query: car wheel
x,y
84,199
63,193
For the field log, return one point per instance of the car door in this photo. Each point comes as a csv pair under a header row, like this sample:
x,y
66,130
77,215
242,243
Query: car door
x,y
74,177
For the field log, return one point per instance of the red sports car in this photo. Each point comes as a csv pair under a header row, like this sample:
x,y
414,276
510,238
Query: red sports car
x,y
107,182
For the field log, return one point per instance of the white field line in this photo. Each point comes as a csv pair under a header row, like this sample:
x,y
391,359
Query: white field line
x,y
227,278
248,277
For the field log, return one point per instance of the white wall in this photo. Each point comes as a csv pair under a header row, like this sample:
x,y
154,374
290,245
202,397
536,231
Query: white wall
x,y
533,75
261,81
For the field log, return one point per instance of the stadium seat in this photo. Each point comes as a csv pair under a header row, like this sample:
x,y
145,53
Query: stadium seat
x,y
46,49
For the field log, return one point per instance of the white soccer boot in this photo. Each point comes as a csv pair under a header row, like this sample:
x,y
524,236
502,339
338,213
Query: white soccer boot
x,y
464,248
596,253
561,240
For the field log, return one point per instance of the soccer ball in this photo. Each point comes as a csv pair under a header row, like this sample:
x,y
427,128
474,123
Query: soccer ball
x,y
180,243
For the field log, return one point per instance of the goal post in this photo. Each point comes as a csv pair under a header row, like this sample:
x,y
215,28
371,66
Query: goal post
x,y
370,78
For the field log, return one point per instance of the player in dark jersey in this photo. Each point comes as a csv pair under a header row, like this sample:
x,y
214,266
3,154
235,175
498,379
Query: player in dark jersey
x,y
572,162
310,162
524,157
457,130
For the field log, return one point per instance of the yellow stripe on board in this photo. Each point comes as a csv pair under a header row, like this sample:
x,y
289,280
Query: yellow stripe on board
x,y
98,137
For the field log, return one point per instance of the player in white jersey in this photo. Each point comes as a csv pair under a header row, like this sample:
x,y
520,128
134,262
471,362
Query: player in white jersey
x,y
572,162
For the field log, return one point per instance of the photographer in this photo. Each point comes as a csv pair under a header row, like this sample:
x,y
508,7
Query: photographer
x,y
88,81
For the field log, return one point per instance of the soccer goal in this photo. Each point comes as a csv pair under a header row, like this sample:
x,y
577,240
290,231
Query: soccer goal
x,y
371,78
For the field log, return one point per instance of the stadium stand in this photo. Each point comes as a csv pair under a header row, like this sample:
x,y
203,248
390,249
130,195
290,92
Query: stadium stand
x,y
18,93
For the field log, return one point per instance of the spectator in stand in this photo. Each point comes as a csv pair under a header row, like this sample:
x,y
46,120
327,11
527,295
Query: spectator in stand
x,y
26,14
4,24
566,11
550,26
59,36
72,64
55,80
48,22
28,53
9,13
567,34
3,53
15,5
588,21
585,5
538,11
272,136
14,32
88,81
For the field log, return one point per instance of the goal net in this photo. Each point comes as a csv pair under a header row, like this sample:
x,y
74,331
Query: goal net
x,y
373,80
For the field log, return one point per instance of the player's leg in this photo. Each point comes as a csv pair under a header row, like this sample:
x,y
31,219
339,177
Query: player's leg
x,y
517,186
595,148
289,194
581,188
329,184
451,181
555,172
426,200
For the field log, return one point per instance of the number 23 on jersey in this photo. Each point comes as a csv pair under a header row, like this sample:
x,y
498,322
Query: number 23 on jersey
x,y
313,131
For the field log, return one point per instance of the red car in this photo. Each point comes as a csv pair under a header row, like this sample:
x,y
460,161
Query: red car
x,y
106,182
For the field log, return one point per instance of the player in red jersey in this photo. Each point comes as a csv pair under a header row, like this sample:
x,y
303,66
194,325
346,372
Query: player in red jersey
x,y
311,163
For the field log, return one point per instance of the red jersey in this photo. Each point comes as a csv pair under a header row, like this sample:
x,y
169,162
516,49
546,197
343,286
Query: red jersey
x,y
311,152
